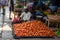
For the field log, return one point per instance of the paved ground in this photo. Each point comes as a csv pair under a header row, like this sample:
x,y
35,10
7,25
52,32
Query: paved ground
x,y
6,30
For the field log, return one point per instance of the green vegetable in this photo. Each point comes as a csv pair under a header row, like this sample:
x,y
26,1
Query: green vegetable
x,y
18,6
58,32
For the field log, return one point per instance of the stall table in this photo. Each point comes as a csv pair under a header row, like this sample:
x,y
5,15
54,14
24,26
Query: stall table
x,y
54,19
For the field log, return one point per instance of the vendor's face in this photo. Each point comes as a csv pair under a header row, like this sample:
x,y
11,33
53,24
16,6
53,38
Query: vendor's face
x,y
16,16
26,11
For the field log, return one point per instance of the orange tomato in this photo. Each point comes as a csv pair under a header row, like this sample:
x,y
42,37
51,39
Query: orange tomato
x,y
32,28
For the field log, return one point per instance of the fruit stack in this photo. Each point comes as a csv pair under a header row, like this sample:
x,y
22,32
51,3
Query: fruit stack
x,y
32,28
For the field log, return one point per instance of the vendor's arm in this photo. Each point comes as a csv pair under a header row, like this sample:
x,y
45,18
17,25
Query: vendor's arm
x,y
30,15
39,16
21,16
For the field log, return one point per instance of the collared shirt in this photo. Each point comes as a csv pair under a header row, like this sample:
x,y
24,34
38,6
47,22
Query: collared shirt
x,y
26,16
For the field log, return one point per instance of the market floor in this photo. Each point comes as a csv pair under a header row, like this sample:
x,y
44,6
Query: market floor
x,y
6,30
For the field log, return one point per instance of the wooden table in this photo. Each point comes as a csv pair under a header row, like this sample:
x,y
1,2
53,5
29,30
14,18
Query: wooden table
x,y
53,18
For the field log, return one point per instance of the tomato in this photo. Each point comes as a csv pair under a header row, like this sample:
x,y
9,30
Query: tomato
x,y
32,28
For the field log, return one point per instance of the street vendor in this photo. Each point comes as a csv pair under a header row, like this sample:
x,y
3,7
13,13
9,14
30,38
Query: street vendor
x,y
25,16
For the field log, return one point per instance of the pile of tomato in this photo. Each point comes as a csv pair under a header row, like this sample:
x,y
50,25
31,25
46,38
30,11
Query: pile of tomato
x,y
32,28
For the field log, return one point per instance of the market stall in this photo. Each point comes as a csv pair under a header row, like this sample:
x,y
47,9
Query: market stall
x,y
35,28
32,29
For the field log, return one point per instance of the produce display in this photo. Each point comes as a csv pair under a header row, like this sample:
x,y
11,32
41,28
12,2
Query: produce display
x,y
19,6
57,32
32,28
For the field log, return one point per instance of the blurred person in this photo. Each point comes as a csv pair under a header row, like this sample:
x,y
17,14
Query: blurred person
x,y
39,14
11,5
55,5
38,11
44,7
11,8
33,12
35,5
29,5
3,4
16,19
35,2
39,4
26,15
46,13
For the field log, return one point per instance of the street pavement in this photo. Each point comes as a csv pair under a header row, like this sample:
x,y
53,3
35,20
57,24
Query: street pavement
x,y
6,30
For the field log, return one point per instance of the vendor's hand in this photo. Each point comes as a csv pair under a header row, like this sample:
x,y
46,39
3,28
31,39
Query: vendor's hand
x,y
21,18
39,16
